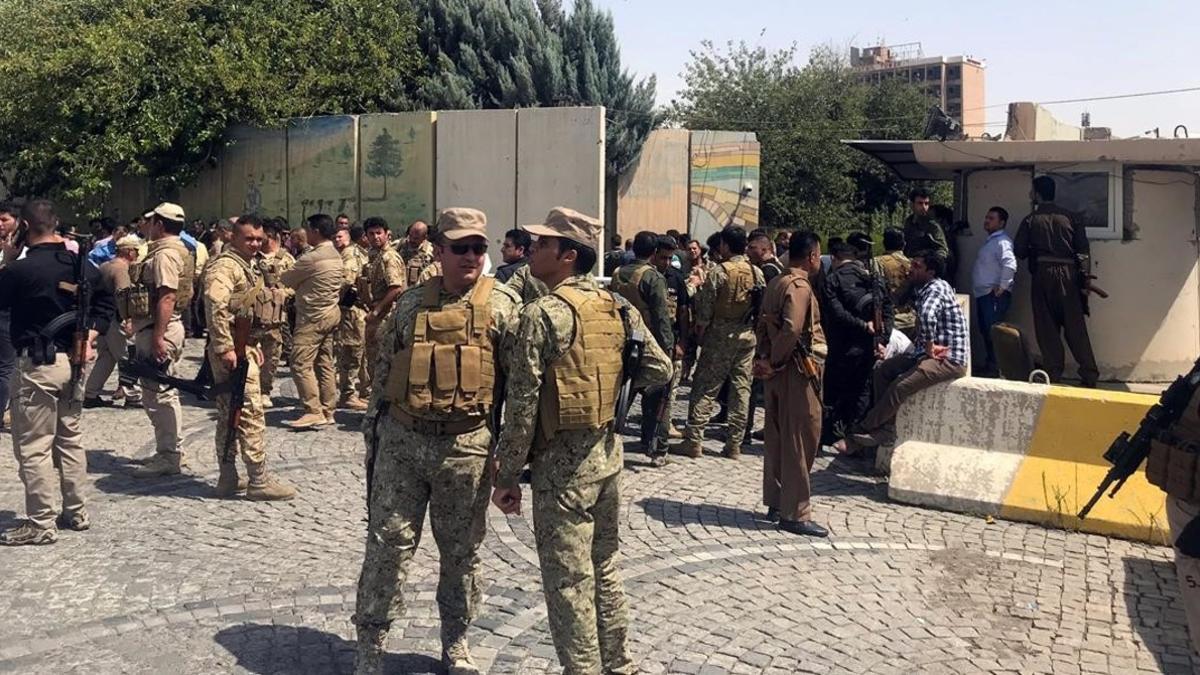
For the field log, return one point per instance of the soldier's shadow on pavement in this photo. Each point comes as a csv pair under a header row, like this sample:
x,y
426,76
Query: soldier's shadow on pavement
x,y
265,649
1151,592
672,512
8,519
115,476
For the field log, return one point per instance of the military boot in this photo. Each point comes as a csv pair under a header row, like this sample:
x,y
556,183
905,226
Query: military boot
x,y
264,487
353,402
228,482
457,659
368,657
687,449
161,464
307,421
732,451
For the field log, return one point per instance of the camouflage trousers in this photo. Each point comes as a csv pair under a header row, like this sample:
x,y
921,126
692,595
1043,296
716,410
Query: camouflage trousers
x,y
727,354
414,472
348,347
577,543
270,343
252,424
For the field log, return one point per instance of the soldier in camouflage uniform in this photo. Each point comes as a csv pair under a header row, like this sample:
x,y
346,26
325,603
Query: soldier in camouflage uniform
x,y
349,340
271,334
232,284
416,251
559,411
428,440
722,314
381,282
893,266
526,285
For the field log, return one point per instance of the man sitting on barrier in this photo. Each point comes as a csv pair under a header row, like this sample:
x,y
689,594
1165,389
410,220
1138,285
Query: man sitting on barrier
x,y
939,355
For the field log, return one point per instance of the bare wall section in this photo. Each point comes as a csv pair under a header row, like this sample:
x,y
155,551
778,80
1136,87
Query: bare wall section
x,y
396,167
653,193
477,166
560,162
322,161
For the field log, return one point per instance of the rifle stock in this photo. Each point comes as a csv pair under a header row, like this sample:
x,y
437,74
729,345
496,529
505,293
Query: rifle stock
x,y
237,392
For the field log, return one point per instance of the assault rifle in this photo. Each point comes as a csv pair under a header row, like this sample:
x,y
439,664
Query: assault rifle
x,y
631,358
237,392
1127,452
81,288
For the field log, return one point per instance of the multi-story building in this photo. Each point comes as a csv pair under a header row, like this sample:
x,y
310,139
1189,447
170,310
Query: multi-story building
x,y
954,82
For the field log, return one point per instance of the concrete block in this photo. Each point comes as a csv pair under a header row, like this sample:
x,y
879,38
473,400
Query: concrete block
x,y
396,167
254,173
477,167
560,161
322,155
202,198
653,193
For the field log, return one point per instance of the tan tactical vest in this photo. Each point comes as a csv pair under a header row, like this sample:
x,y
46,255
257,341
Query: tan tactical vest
x,y
580,388
1172,464
733,298
136,301
631,292
672,304
270,298
450,365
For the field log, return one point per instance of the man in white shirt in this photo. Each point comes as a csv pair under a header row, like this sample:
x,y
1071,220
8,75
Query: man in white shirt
x,y
992,281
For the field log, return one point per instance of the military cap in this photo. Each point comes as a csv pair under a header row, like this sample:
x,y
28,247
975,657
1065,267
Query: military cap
x,y
568,224
459,223
168,211
129,241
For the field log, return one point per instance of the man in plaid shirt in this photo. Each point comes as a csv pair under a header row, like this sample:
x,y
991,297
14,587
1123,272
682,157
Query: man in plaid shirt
x,y
939,354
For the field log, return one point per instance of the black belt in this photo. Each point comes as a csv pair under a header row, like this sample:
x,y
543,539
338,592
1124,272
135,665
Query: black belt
x,y
437,428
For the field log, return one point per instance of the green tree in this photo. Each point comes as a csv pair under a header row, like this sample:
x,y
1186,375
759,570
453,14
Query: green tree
x,y
522,53
150,87
800,113
384,160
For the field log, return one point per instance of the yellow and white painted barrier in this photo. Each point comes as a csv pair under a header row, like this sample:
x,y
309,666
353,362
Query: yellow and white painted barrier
x,y
1023,452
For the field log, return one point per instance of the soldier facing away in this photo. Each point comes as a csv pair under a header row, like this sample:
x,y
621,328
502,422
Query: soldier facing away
x,y
559,411
428,439
232,283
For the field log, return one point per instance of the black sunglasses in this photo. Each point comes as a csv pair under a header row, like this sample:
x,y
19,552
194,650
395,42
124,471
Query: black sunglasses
x,y
461,249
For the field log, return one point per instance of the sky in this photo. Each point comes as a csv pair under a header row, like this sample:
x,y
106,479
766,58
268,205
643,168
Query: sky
x,y
1034,51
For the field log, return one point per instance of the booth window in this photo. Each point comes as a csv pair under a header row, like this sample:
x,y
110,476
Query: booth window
x,y
1093,193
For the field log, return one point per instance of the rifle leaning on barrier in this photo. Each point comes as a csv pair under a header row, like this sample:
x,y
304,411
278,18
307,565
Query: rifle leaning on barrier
x,y
1127,452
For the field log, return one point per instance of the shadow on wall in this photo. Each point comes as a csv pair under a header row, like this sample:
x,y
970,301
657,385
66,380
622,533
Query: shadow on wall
x,y
1152,602
268,649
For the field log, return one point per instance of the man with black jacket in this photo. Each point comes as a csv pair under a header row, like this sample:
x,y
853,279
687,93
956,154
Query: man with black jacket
x,y
49,399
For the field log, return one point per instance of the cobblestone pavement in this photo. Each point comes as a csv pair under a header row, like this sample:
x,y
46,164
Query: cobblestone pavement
x,y
170,580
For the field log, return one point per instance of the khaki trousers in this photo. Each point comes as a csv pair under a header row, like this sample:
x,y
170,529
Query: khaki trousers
x,y
351,363
1179,514
792,436
898,378
47,440
252,424
162,403
271,345
1058,314
110,349
313,367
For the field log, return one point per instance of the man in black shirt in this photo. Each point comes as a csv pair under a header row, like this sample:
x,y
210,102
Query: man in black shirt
x,y
515,251
679,305
46,408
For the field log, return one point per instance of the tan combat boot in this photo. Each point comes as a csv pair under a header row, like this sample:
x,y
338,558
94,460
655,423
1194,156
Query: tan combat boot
x,y
307,421
161,464
732,451
264,487
457,659
353,402
368,657
687,449
228,482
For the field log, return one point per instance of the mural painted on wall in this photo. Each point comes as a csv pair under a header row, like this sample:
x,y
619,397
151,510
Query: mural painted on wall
x,y
723,163
253,175
322,157
396,167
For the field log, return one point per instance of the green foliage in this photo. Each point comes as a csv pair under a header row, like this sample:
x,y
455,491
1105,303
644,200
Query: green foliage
x,y
800,113
150,87
522,53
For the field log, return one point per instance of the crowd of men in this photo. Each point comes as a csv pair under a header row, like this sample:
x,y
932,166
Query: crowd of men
x,y
427,346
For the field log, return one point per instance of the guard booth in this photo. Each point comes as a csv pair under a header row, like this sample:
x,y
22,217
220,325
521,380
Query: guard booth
x,y
1138,199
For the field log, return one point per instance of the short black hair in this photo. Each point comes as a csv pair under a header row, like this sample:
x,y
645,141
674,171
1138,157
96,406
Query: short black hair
x,y
932,261
918,192
107,225
39,216
759,234
585,256
271,227
169,226
843,250
520,238
1000,211
323,224
801,245
713,241
356,232
667,242
1044,188
644,243
614,240
283,224
734,237
250,219
9,208
374,223
340,216
893,239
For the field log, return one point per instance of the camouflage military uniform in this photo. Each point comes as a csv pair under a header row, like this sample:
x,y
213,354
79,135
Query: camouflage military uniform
x,y
384,270
727,352
426,458
576,484
526,285
416,259
433,269
271,337
353,380
893,267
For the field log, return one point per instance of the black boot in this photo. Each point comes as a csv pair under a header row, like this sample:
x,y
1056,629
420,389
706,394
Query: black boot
x,y
804,527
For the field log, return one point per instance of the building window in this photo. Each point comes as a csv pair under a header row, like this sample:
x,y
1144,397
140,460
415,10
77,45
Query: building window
x,y
1093,192
934,72
954,73
954,108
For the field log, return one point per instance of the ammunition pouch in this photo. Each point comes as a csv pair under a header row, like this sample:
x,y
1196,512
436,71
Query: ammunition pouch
x,y
1174,465
133,303
270,308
